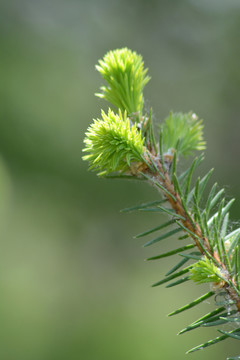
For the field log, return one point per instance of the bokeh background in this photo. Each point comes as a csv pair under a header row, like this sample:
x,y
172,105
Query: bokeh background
x,y
73,283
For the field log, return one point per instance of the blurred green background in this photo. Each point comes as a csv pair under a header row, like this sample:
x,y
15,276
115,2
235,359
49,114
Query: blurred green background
x,y
73,284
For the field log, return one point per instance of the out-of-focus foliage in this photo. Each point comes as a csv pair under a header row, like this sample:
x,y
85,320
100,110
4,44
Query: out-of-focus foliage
x,y
184,127
66,291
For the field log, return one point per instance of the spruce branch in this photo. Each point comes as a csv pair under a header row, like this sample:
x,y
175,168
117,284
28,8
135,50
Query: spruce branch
x,y
124,145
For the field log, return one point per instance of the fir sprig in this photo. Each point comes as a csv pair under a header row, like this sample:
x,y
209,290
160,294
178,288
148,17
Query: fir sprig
x,y
205,271
124,144
126,77
113,143
183,132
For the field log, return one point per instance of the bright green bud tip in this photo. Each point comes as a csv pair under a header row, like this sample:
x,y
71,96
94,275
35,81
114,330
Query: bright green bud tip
x,y
125,75
113,143
205,271
183,132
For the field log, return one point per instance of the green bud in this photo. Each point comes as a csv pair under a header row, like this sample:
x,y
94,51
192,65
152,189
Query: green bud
x,y
183,132
205,271
125,75
113,143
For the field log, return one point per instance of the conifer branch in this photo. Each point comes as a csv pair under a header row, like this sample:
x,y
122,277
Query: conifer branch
x,y
193,228
123,145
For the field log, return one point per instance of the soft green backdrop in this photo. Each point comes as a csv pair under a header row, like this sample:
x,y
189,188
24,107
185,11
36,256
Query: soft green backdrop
x,y
73,284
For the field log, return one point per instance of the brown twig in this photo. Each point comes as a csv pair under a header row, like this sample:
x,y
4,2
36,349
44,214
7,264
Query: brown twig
x,y
192,226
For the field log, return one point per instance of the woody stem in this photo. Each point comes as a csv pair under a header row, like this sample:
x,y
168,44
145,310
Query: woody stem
x,y
190,224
